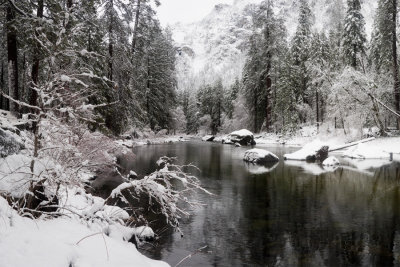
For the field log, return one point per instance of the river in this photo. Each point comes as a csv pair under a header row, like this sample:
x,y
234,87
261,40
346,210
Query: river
x,y
290,214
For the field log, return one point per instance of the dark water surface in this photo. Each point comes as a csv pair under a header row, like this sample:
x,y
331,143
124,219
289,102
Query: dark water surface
x,y
283,215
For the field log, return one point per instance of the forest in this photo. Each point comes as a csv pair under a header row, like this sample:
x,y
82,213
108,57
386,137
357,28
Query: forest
x,y
115,56
88,87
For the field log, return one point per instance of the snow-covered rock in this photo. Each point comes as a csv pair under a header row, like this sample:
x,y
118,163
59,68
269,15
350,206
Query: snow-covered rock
x,y
259,156
208,138
308,151
243,137
331,161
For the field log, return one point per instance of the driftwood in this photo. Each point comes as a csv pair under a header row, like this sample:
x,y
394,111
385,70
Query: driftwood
x,y
351,144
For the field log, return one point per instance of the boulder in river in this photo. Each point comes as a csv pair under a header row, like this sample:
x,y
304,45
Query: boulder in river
x,y
311,152
259,156
320,155
243,137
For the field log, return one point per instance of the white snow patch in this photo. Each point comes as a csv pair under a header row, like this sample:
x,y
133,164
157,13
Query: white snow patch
x,y
242,133
363,151
62,242
331,161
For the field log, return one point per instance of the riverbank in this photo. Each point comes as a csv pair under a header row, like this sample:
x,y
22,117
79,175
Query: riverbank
x,y
46,216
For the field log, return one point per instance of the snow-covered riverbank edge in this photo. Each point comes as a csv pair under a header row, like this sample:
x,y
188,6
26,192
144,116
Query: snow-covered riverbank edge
x,y
61,224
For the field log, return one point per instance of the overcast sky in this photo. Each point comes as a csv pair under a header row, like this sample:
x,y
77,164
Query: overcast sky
x,y
172,11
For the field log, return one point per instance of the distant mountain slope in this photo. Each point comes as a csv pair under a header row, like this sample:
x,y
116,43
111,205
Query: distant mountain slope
x,y
216,46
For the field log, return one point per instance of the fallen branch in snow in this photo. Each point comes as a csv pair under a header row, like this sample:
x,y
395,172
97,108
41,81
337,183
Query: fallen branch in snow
x,y
190,255
351,144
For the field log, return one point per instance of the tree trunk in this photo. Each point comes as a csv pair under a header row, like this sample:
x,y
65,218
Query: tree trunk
x,y
36,63
395,63
12,50
267,96
148,95
111,42
354,57
135,28
255,113
2,106
317,105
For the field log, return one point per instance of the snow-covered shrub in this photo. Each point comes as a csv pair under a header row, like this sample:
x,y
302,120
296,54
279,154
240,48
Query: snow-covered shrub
x,y
166,192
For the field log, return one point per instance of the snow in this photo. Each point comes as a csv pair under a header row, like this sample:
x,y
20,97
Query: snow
x,y
62,242
256,155
207,137
331,161
308,150
15,173
365,151
151,141
144,232
10,122
242,133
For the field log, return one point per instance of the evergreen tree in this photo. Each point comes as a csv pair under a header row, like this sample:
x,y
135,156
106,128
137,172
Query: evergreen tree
x,y
301,51
383,54
354,38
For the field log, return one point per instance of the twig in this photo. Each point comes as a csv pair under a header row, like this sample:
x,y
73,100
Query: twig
x,y
102,235
191,255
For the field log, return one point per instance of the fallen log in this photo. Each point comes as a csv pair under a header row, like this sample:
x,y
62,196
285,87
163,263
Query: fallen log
x,y
351,144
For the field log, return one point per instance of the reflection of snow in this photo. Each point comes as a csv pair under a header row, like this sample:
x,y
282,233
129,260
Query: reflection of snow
x,y
311,168
367,164
260,169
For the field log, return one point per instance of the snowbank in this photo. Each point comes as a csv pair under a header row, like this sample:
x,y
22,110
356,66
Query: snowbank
x,y
62,242
363,151
259,156
331,161
153,141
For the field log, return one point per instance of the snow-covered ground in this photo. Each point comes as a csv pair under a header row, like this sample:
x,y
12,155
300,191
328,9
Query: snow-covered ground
x,y
63,242
130,143
82,230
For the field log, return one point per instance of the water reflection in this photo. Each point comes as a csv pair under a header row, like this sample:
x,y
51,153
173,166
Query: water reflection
x,y
283,215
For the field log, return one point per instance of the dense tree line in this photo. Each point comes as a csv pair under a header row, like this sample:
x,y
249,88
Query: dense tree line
x,y
335,75
289,83
115,48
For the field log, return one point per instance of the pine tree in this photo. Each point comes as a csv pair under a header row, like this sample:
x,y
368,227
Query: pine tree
x,y
301,50
354,38
383,54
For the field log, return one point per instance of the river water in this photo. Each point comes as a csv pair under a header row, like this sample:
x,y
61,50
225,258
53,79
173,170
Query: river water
x,y
290,214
